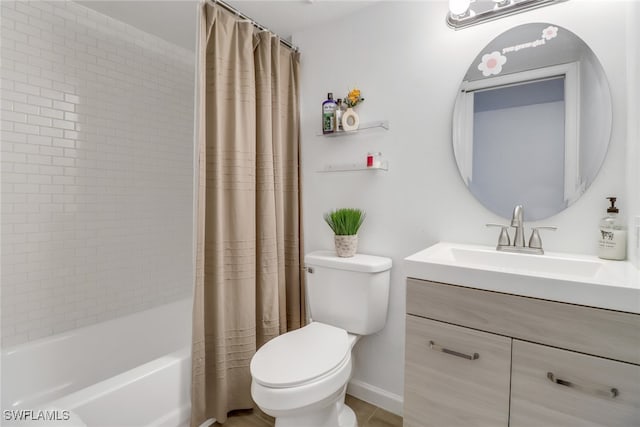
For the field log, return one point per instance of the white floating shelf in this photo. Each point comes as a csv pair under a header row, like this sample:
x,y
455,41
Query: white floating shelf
x,y
384,166
384,124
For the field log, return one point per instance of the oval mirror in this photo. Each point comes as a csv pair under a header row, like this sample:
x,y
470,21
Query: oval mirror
x,y
532,121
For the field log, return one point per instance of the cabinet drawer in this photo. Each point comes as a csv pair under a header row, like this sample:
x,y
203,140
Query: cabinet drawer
x,y
455,376
552,387
605,333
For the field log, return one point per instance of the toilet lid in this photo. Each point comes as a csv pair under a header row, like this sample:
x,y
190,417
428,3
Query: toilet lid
x,y
300,356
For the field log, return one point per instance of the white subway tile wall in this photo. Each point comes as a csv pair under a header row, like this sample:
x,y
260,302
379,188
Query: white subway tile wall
x,y
97,176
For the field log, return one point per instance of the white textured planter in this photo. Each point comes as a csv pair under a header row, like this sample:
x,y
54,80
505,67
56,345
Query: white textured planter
x,y
346,246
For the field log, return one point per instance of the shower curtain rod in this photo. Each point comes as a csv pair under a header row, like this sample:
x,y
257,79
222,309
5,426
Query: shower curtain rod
x,y
259,26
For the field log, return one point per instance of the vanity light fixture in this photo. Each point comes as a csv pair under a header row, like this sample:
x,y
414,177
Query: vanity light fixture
x,y
459,9
465,13
501,3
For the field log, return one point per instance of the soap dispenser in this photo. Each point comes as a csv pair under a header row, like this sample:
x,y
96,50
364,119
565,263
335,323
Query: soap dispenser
x,y
613,236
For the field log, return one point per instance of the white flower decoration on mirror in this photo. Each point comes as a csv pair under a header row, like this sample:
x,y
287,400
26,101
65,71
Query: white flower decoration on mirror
x,y
492,63
549,32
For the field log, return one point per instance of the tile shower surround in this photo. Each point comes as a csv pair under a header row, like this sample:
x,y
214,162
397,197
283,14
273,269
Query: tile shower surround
x,y
96,150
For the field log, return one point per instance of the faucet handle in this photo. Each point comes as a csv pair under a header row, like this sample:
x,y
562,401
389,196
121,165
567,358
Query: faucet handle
x,y
504,239
535,241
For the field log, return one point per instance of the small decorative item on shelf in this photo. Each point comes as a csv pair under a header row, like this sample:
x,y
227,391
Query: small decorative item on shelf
x,y
374,160
350,119
329,115
345,224
340,109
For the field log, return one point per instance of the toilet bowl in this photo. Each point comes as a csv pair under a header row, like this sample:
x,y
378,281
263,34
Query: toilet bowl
x,y
300,377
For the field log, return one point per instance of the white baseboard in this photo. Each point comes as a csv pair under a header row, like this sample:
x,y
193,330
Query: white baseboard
x,y
376,396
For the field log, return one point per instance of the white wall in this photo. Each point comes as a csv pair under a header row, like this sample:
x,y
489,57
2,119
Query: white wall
x,y
409,66
96,169
633,141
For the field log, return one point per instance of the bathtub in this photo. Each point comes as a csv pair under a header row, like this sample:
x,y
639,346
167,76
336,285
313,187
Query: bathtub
x,y
133,371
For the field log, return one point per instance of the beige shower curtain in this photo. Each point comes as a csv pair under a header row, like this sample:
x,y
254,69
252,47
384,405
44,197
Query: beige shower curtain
x,y
249,278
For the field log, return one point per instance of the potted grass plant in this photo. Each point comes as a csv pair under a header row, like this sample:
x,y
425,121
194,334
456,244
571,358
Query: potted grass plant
x,y
345,224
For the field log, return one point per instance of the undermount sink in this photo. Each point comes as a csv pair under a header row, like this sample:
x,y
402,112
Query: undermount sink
x,y
537,264
572,278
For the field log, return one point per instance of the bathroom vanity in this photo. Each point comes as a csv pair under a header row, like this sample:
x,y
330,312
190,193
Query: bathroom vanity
x,y
490,343
495,338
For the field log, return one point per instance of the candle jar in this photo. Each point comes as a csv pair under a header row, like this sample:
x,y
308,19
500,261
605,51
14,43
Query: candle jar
x,y
374,160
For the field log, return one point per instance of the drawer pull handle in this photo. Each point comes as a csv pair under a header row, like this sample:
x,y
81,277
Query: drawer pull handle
x,y
611,392
436,347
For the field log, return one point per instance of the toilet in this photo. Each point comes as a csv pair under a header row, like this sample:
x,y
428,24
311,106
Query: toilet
x,y
301,377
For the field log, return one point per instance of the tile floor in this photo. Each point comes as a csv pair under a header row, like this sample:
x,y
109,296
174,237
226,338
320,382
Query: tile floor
x,y
368,416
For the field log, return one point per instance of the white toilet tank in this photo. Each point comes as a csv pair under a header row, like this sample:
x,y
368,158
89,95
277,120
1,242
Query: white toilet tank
x,y
349,293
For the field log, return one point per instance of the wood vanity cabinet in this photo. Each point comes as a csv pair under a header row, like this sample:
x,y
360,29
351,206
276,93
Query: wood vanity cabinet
x,y
455,376
480,358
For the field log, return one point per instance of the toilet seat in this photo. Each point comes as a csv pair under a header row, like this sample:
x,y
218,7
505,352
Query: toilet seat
x,y
301,356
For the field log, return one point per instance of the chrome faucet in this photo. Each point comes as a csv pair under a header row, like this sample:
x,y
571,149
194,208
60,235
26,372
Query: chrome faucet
x,y
517,222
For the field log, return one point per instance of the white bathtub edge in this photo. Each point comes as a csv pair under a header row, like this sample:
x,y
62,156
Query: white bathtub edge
x,y
176,418
87,394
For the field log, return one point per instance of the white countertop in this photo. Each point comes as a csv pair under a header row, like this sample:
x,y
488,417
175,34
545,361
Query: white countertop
x,y
576,279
